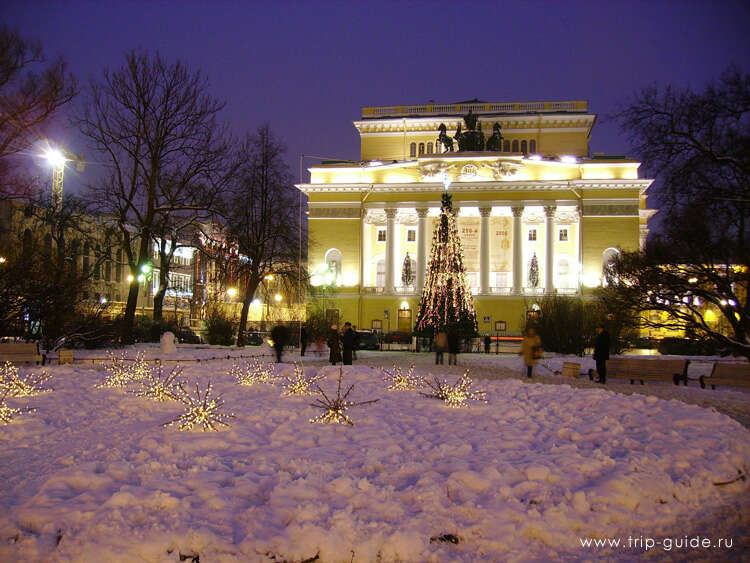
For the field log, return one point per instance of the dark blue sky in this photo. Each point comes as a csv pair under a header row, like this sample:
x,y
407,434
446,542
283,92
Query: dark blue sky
x,y
309,67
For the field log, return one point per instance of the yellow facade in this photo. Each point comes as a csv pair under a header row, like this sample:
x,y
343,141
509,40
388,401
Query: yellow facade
x,y
572,211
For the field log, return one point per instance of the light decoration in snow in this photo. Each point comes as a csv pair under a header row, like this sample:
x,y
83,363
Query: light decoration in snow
x,y
8,413
334,409
122,371
299,383
22,386
400,381
158,386
201,409
457,395
253,372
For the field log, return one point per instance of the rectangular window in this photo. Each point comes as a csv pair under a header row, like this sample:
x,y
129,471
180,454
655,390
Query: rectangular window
x,y
411,235
381,235
532,234
563,235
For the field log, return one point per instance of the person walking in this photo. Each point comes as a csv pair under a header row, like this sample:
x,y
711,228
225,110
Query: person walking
x,y
280,336
356,342
334,345
454,343
302,340
487,342
601,352
531,350
441,344
349,341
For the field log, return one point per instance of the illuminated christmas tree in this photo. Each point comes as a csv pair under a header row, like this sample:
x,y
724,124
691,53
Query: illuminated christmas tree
x,y
446,302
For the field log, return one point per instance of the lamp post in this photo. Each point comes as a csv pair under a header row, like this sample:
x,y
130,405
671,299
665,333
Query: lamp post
x,y
57,159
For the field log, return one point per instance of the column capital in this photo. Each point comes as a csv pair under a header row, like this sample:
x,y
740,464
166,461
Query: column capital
x,y
485,211
517,210
390,212
422,212
549,210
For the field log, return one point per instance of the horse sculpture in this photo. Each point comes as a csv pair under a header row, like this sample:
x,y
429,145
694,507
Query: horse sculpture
x,y
495,142
445,139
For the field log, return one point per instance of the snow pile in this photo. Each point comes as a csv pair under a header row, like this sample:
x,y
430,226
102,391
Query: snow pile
x,y
92,475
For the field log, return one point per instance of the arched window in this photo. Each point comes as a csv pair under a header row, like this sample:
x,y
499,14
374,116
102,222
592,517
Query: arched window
x,y
380,273
333,261
429,148
75,251
609,257
532,146
97,266
108,266
506,145
26,244
86,258
413,149
48,243
515,145
523,147
118,266
421,149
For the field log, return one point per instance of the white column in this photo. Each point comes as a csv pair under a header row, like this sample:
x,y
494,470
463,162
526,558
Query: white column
x,y
484,250
549,248
517,249
421,246
390,249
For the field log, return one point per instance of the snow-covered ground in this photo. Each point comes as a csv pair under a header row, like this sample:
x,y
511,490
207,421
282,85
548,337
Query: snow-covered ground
x,y
92,475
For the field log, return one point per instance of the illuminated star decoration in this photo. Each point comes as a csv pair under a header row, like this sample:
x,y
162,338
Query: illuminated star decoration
x,y
334,410
400,381
456,395
255,371
158,386
7,413
200,409
122,371
299,383
26,386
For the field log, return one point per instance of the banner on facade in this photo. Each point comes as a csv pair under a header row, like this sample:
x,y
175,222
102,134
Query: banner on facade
x,y
501,244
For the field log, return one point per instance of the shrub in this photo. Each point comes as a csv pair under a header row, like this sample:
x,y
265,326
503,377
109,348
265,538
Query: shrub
x,y
217,328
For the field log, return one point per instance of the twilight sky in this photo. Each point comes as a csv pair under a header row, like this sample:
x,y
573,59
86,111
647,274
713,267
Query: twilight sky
x,y
308,67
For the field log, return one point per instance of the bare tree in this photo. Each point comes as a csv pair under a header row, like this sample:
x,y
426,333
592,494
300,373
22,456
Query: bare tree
x,y
260,218
30,95
694,275
157,128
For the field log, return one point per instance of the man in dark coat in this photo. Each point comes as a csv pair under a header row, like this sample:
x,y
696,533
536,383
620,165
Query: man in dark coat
x,y
302,340
280,336
601,352
349,341
454,343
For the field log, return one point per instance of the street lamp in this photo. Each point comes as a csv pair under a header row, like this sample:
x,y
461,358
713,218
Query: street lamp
x,y
232,292
56,160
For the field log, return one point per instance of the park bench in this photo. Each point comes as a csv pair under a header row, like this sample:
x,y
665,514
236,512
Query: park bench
x,y
733,374
641,369
571,369
20,352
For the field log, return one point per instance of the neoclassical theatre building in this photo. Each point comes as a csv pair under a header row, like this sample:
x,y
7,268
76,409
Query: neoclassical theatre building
x,y
536,213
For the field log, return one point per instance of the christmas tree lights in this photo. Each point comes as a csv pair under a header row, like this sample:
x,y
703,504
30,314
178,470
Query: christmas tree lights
x,y
446,299
456,395
122,371
255,371
22,386
8,413
299,383
158,386
334,409
400,381
201,409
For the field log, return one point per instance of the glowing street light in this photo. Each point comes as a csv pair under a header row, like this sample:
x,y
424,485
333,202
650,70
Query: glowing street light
x,y
278,297
55,158
232,292
130,278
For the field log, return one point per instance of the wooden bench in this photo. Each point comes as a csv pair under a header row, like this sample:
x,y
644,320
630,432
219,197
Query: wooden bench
x,y
571,369
640,369
20,352
727,373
